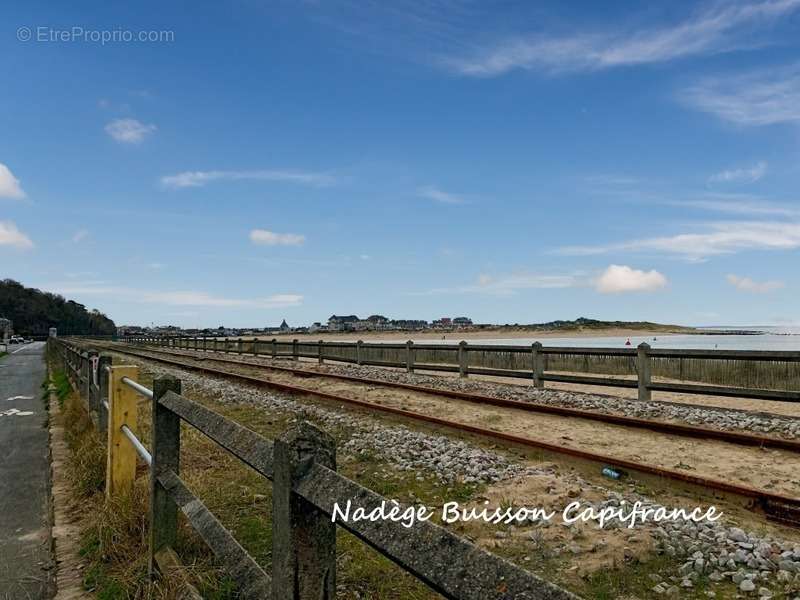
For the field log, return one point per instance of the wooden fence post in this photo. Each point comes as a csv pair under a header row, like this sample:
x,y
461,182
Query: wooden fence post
x,y
274,348
303,537
537,364
294,350
462,359
89,386
239,346
643,369
121,464
321,355
216,344
103,379
359,356
83,383
410,356
166,451
255,346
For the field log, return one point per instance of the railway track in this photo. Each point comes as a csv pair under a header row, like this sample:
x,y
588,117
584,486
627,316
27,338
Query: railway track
x,y
691,431
775,506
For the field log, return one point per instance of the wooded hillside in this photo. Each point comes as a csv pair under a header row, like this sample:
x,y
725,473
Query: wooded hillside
x,y
34,312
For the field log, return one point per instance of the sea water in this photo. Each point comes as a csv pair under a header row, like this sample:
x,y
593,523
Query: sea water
x,y
767,338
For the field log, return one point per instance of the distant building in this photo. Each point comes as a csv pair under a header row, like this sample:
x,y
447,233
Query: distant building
x,y
342,323
284,326
410,324
317,326
378,322
462,322
443,323
126,330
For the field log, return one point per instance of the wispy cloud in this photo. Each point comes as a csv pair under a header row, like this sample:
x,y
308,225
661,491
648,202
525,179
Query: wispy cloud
x,y
79,236
718,238
763,97
741,175
717,28
746,284
129,131
174,298
738,205
270,238
201,178
507,285
437,195
13,237
9,185
617,279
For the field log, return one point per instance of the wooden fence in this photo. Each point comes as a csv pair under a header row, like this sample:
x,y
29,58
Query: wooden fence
x,y
766,375
302,467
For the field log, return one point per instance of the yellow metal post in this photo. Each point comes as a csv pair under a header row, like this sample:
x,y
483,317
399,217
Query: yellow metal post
x,y
121,464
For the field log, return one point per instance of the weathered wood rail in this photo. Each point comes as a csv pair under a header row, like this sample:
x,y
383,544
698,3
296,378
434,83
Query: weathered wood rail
x,y
763,375
306,486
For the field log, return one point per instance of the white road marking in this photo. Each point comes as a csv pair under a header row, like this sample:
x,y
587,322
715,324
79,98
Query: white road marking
x,y
15,412
19,398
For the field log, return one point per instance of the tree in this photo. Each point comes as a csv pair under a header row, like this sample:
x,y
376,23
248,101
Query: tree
x,y
34,312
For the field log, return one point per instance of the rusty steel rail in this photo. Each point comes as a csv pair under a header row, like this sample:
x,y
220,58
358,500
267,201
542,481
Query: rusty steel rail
x,y
733,437
777,507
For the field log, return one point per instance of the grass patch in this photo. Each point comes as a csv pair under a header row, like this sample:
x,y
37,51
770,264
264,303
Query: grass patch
x,y
61,386
635,579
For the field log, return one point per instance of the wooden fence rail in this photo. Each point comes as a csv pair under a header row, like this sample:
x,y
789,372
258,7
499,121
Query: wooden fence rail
x,y
301,464
764,375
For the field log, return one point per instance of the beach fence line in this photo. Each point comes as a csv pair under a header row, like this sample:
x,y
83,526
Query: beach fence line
x,y
756,374
301,464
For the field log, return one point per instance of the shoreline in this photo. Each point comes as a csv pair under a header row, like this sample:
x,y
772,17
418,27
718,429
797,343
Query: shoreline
x,y
457,335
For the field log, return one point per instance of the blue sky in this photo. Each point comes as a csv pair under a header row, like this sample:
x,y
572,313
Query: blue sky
x,y
512,162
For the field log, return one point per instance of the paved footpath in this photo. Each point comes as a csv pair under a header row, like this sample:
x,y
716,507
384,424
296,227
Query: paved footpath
x,y
25,548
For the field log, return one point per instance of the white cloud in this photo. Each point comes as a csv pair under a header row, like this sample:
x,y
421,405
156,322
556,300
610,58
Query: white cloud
x,y
746,284
129,131
9,185
270,238
763,97
742,175
433,193
710,31
201,178
720,238
620,278
11,236
79,236
507,285
738,205
174,298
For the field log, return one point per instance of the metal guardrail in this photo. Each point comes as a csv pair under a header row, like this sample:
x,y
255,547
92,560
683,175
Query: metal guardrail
x,y
301,464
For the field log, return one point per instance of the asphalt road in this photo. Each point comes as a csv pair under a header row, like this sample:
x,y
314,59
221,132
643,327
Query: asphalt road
x,y
25,548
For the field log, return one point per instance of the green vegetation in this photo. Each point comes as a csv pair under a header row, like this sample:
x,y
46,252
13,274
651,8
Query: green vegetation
x,y
583,323
34,312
